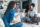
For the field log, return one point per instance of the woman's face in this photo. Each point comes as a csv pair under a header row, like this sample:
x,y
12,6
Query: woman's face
x,y
31,8
14,6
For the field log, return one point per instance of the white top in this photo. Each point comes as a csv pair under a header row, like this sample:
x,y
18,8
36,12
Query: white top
x,y
32,13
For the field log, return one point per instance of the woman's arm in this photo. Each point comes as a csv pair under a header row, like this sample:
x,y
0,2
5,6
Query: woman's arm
x,y
14,21
35,15
24,10
17,15
27,13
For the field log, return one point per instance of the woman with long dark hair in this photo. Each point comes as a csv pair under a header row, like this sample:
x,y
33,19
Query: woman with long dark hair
x,y
9,16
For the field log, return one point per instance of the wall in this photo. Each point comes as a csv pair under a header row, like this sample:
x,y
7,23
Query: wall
x,y
4,7
38,6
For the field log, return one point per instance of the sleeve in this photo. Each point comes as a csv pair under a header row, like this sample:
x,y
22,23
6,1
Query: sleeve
x,y
11,15
35,12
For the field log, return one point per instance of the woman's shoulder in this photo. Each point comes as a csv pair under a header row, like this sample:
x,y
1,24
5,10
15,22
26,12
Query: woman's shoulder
x,y
11,10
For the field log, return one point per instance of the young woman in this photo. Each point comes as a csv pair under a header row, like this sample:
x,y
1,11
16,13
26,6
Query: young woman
x,y
9,16
32,15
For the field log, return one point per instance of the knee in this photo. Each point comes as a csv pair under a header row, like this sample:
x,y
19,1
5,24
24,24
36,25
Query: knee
x,y
20,24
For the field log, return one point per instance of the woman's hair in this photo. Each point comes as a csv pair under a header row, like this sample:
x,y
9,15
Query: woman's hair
x,y
33,4
10,5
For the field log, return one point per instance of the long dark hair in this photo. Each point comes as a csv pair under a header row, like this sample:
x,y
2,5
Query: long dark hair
x,y
10,5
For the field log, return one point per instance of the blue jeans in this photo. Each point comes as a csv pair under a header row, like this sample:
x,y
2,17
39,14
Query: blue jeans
x,y
37,19
17,25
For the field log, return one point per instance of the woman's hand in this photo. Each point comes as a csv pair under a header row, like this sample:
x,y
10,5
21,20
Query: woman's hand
x,y
14,21
18,15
